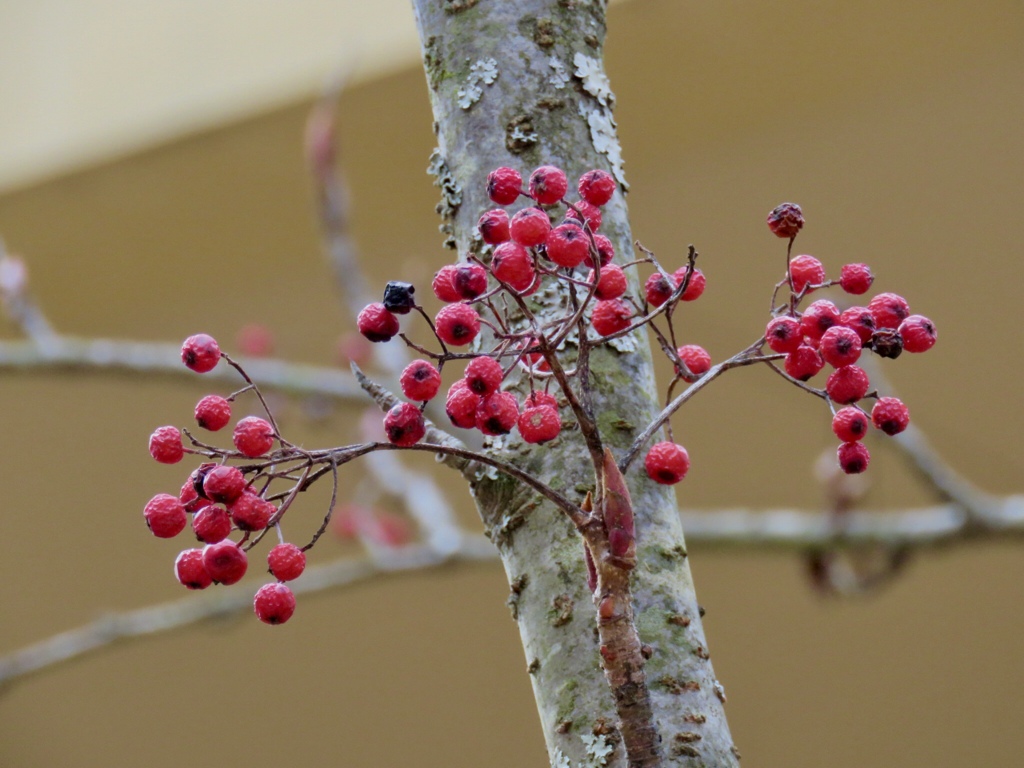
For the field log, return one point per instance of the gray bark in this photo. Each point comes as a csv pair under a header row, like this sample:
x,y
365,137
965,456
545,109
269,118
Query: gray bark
x,y
521,83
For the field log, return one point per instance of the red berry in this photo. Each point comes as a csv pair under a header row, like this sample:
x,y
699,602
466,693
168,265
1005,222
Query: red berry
x,y
538,398
493,226
818,318
539,424
856,278
404,425
658,288
596,187
888,310
589,214
255,340
805,270
696,358
850,424
165,445
484,375
611,317
918,333
783,334
165,516
286,561
667,463
786,220
804,362
860,320
511,263
249,512
504,185
190,571
840,346
274,603
469,280
211,524
530,227
376,323
497,413
535,358
567,245
253,436
353,348
548,184
461,405
847,385
457,324
213,412
612,284
200,353
225,561
890,415
190,497
443,284
420,381
223,484
605,251
694,288
853,458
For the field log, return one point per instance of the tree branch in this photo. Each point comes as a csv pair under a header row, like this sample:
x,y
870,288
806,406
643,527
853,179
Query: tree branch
x,y
104,355
115,628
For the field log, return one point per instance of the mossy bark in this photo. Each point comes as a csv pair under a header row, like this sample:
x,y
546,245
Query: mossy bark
x,y
521,83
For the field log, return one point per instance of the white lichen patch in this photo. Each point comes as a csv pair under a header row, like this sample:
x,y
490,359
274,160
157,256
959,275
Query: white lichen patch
x,y
451,190
598,750
560,77
481,73
606,140
521,138
625,344
558,760
594,80
720,691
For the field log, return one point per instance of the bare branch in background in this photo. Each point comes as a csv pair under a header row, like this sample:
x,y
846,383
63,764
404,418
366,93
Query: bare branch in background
x,y
116,628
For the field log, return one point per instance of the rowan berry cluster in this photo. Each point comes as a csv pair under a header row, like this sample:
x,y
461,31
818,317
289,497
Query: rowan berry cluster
x,y
823,334
219,499
554,243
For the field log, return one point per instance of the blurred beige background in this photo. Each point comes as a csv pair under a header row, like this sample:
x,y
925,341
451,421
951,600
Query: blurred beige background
x,y
896,126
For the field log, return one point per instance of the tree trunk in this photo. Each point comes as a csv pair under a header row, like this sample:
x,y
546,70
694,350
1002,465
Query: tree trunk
x,y
521,83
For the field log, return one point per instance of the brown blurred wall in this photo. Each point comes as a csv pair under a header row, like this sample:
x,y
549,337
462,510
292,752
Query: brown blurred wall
x,y
896,126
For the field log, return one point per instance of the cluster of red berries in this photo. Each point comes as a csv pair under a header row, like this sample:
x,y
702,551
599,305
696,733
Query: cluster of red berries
x,y
525,248
823,334
221,501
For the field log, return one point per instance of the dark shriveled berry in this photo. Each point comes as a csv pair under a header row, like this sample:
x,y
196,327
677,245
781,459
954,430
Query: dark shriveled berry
x,y
398,297
786,220
887,343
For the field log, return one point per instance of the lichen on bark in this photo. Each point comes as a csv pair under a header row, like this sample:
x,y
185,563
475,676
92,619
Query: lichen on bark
x,y
540,111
